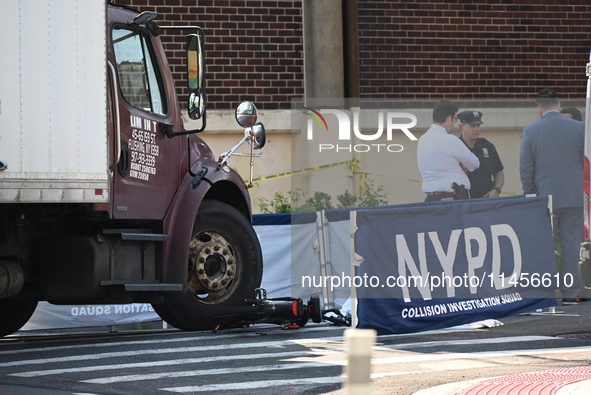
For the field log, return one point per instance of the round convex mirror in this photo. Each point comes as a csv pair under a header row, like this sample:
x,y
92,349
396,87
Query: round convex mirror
x,y
246,114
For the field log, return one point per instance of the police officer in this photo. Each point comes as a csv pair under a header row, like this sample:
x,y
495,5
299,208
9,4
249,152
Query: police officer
x,y
442,159
488,179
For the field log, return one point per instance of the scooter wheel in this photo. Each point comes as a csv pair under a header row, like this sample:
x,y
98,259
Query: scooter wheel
x,y
315,308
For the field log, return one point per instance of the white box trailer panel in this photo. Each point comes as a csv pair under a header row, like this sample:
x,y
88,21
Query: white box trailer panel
x,y
53,105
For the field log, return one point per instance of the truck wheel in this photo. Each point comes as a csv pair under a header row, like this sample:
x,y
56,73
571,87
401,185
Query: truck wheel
x,y
16,313
225,267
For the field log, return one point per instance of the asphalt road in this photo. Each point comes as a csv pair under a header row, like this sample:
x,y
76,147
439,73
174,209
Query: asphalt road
x,y
268,360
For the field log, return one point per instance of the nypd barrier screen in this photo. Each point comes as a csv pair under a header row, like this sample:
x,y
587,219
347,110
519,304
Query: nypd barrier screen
x,y
441,264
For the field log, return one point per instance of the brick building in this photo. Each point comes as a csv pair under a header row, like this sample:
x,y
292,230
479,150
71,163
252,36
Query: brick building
x,y
405,49
253,48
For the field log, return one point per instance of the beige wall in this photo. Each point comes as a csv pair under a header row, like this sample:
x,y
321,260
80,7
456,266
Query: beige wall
x,y
396,172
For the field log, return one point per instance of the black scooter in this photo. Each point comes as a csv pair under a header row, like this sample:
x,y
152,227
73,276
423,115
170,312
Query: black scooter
x,y
290,313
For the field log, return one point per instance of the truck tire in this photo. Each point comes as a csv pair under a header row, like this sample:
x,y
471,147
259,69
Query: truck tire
x,y
225,267
15,313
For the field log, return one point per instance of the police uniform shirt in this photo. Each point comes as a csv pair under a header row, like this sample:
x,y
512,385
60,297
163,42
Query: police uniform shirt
x,y
481,179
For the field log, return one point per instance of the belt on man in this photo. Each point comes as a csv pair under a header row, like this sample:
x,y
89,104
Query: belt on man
x,y
441,193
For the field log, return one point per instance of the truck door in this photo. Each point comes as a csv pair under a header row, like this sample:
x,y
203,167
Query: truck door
x,y
146,177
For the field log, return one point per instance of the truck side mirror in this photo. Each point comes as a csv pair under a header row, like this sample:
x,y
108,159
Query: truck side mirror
x,y
246,114
195,76
196,105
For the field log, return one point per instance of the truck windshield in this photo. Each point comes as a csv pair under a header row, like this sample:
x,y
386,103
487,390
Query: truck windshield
x,y
138,78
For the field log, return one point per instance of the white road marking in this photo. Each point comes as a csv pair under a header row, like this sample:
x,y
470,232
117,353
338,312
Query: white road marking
x,y
257,384
36,373
302,342
206,372
198,349
196,338
482,354
338,379
446,343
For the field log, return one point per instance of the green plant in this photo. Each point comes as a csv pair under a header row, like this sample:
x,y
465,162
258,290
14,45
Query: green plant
x,y
370,195
282,203
279,204
320,201
347,200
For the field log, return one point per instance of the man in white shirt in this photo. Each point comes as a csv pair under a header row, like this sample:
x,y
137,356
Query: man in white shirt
x,y
442,158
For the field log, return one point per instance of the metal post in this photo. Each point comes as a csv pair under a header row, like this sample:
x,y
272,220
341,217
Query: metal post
x,y
358,370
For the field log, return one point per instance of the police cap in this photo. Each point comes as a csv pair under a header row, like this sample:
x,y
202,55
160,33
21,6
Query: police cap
x,y
470,117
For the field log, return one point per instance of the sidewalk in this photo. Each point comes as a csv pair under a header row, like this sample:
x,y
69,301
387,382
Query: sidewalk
x,y
566,381
570,381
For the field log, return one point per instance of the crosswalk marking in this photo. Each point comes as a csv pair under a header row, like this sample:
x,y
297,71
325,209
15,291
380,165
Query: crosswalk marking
x,y
481,354
316,355
241,335
36,373
119,354
204,372
255,384
465,342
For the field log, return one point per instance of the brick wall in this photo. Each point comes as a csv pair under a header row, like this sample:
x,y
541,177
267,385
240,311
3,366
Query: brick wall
x,y
254,48
473,49
407,49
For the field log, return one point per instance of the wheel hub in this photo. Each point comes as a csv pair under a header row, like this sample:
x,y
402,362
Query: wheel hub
x,y
213,265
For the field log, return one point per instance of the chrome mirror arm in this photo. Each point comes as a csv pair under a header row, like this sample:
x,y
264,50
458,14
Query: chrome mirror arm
x,y
226,155
232,152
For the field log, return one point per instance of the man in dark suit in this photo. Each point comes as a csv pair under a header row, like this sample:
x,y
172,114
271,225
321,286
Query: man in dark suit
x,y
551,163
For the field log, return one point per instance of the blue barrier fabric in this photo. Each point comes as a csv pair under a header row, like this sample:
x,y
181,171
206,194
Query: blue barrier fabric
x,y
388,316
284,218
430,266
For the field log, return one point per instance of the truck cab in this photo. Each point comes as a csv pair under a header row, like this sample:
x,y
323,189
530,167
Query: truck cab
x,y
128,205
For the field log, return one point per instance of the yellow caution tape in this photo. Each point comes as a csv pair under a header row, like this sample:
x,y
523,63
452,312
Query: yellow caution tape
x,y
354,166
